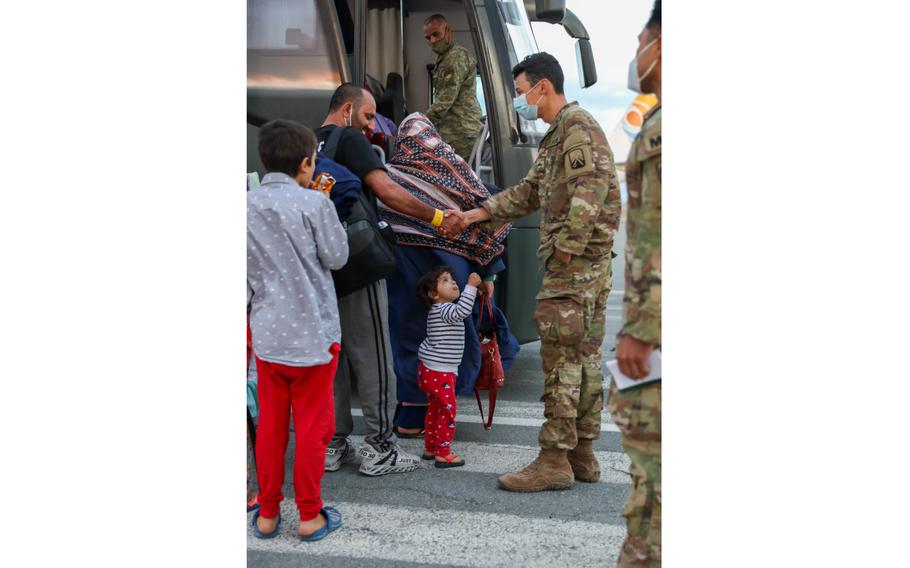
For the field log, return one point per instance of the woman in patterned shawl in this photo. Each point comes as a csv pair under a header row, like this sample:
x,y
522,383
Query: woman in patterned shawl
x,y
429,169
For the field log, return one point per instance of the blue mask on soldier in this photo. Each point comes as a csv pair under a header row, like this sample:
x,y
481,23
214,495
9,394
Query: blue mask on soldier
x,y
525,110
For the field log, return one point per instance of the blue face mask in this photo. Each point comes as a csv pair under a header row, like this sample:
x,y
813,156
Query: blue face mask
x,y
525,110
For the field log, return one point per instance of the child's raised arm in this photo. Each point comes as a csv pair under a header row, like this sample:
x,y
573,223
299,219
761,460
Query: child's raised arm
x,y
451,313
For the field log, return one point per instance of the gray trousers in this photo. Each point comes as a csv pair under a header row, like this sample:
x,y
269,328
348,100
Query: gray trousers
x,y
366,357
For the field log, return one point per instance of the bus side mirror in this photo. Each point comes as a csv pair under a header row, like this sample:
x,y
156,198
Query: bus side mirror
x,y
551,11
584,57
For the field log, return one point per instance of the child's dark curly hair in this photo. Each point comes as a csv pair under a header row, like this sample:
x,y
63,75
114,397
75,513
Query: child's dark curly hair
x,y
428,283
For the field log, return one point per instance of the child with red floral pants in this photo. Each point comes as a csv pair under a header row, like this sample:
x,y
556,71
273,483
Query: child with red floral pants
x,y
440,355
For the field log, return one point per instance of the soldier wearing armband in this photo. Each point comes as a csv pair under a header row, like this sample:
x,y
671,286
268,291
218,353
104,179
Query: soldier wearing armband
x,y
637,411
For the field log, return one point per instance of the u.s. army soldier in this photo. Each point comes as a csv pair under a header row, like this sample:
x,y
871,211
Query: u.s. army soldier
x,y
637,411
573,182
455,111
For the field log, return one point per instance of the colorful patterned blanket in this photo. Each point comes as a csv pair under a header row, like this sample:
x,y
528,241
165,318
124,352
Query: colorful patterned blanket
x,y
430,170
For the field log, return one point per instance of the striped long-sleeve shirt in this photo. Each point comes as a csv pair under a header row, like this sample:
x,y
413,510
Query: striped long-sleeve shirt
x,y
444,346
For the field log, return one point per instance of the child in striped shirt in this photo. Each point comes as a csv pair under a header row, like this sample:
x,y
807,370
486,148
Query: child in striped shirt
x,y
440,355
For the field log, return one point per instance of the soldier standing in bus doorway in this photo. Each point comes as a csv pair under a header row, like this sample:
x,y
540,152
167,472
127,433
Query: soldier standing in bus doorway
x,y
637,411
455,111
573,182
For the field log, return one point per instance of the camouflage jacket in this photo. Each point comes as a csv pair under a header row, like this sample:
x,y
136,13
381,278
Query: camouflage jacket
x,y
641,302
573,181
455,110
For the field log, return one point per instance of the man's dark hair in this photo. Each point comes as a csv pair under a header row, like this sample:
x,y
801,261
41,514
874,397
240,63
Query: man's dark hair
x,y
435,18
428,283
283,144
654,21
346,93
539,66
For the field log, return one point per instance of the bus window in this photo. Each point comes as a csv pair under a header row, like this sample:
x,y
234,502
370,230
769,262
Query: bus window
x,y
521,44
478,88
287,47
480,97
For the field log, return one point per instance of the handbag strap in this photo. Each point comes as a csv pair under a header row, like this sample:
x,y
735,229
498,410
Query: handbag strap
x,y
487,308
487,422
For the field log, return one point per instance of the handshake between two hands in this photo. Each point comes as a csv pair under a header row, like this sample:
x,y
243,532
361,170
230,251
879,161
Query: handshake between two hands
x,y
453,223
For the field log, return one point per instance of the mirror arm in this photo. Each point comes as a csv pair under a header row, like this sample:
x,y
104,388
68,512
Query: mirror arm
x,y
574,27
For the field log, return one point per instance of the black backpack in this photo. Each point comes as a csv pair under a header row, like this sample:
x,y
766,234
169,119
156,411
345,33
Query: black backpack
x,y
371,241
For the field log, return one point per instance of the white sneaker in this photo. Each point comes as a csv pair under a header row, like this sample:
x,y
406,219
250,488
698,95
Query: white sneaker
x,y
390,459
334,457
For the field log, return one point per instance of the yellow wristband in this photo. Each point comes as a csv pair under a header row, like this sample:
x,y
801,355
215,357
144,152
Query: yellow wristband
x,y
437,218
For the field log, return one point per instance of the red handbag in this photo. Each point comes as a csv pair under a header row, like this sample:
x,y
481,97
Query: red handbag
x,y
491,376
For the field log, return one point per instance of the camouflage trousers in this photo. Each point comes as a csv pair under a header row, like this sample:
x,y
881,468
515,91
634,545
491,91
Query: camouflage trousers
x,y
570,316
461,141
637,414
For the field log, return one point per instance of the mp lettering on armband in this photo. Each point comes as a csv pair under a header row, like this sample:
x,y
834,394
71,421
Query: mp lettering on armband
x,y
654,142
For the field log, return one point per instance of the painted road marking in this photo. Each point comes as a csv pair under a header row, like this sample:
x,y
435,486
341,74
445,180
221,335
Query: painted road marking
x,y
452,538
502,418
482,457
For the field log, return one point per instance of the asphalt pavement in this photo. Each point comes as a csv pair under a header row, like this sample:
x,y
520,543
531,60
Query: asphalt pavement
x,y
458,517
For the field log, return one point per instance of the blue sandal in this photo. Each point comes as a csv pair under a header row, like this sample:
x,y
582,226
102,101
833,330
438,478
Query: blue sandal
x,y
333,522
259,534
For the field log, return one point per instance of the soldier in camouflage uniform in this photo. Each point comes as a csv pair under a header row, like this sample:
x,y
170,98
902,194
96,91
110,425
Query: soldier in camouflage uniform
x,y
455,111
573,182
637,411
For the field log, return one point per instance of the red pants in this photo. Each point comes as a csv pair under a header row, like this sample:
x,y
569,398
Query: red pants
x,y
440,421
310,392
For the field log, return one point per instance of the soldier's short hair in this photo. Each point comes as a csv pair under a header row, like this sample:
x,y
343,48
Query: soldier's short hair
x,y
435,18
346,93
539,66
284,144
428,283
654,21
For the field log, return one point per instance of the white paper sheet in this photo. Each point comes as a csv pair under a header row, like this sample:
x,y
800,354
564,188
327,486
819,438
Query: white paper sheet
x,y
623,382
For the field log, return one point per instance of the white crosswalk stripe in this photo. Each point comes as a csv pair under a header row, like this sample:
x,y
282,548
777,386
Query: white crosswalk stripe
x,y
443,534
452,538
509,415
500,458
440,534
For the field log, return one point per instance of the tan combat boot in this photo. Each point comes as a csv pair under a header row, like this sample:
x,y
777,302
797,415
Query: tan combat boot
x,y
584,463
550,470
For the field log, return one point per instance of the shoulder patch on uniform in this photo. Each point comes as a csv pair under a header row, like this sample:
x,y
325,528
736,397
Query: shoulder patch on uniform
x,y
577,158
578,161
